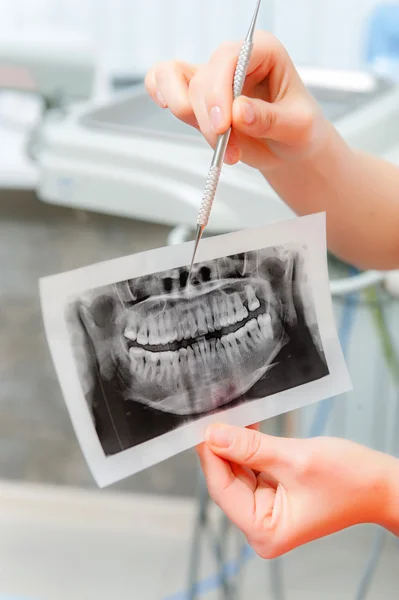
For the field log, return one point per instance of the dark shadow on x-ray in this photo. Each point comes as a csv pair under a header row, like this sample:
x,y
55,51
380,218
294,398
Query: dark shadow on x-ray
x,y
152,357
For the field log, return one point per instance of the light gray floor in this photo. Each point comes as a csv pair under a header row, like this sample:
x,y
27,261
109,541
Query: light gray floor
x,y
64,545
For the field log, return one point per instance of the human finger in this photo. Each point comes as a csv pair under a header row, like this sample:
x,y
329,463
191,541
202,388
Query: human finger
x,y
211,88
287,121
265,495
168,86
196,96
232,493
251,448
245,474
211,92
152,90
268,58
217,88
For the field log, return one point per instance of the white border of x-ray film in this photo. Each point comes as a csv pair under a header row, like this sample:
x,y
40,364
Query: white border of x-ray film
x,y
57,290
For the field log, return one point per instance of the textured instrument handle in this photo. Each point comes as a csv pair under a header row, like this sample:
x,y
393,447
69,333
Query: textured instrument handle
x,y
209,196
220,151
242,68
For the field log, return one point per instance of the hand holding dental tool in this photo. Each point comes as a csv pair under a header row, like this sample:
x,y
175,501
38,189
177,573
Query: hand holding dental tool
x,y
223,141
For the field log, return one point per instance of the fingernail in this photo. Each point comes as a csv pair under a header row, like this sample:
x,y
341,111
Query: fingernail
x,y
218,436
216,118
248,113
232,155
160,100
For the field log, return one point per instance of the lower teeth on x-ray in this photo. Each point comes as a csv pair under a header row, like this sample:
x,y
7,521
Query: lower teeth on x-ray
x,y
157,352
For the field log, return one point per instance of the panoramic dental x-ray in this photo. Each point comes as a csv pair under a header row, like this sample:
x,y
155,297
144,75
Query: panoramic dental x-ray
x,y
154,354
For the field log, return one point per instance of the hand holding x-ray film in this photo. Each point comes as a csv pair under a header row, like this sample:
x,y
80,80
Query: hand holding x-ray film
x,y
146,362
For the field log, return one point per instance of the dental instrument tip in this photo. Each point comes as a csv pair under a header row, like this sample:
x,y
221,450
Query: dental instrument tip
x,y
198,236
251,31
223,140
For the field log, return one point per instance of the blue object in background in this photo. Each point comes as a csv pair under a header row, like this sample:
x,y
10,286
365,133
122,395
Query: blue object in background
x,y
382,46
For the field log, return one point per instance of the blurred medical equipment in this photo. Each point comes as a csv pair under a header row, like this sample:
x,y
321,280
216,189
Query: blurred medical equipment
x,y
153,166
51,74
222,143
60,71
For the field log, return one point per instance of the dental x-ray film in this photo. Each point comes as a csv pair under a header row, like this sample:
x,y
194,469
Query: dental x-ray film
x,y
146,361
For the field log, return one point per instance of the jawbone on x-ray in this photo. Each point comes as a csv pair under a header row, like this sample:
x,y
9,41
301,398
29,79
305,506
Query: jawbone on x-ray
x,y
154,356
188,350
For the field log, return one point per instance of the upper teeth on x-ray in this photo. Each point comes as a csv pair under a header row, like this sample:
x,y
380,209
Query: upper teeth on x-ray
x,y
159,352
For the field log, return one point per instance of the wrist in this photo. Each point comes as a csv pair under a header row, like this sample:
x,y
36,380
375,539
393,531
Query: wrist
x,y
327,158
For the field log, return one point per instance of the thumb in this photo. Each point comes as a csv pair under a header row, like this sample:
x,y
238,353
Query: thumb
x,y
278,121
249,448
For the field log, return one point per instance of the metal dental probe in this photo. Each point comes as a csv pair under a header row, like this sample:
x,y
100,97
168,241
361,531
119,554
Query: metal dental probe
x,y
223,140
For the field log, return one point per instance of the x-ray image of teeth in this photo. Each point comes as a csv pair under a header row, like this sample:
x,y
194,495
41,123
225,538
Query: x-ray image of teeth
x,y
146,361
162,353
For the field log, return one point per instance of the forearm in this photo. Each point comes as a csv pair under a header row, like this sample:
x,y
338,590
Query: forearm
x,y
360,195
